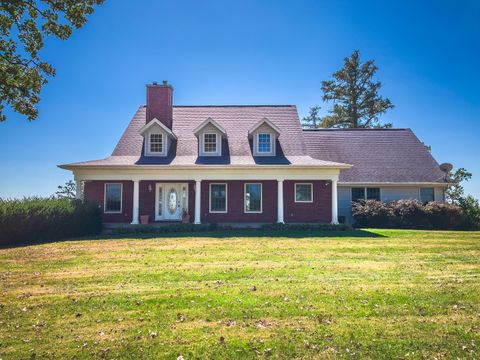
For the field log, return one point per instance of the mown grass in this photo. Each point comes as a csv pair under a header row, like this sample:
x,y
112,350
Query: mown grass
x,y
371,294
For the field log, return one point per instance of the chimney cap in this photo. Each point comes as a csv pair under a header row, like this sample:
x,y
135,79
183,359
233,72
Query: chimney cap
x,y
163,84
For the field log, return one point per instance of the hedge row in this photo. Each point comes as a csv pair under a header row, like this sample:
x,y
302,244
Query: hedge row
x,y
33,220
186,228
409,214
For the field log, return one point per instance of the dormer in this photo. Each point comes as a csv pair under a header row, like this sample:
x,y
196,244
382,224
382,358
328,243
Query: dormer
x,y
157,138
210,135
264,135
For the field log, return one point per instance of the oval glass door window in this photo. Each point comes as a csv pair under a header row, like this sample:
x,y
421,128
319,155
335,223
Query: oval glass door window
x,y
172,201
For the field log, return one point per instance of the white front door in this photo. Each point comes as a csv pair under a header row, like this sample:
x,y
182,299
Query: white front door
x,y
171,200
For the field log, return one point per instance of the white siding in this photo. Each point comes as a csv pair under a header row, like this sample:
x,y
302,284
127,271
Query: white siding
x,y
391,193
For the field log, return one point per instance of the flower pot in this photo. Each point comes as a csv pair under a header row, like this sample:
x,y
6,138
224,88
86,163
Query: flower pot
x,y
144,219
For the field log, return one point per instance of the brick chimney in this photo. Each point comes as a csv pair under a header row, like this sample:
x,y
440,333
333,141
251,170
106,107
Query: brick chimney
x,y
159,103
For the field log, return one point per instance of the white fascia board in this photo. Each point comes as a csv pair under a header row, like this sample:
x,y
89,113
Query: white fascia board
x,y
207,174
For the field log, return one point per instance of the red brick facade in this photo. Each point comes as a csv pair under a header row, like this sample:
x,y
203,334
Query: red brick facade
x,y
319,211
94,191
236,203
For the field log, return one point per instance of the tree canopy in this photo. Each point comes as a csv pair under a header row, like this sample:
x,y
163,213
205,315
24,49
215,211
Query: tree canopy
x,y
356,101
23,26
455,192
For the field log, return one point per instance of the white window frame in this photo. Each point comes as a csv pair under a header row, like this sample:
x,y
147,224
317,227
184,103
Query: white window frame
x,y
105,199
164,143
295,193
218,144
245,198
210,199
365,192
150,143
420,192
257,144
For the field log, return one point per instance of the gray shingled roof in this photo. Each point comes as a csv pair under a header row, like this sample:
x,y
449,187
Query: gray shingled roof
x,y
237,151
386,155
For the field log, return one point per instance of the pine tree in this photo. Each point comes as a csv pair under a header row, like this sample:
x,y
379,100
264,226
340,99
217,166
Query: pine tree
x,y
356,102
313,120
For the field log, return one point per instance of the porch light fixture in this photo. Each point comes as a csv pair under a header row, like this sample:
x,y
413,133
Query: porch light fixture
x,y
149,187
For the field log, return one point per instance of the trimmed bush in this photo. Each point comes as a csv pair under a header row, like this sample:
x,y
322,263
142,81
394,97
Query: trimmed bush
x,y
408,214
33,220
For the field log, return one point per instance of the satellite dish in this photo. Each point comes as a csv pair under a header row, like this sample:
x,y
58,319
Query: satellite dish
x,y
446,167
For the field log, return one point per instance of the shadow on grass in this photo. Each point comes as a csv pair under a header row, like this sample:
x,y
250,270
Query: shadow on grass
x,y
217,234
245,233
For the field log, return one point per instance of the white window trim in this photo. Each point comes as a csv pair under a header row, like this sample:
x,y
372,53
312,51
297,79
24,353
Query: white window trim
x,y
210,199
420,192
295,193
218,139
105,198
245,198
150,143
365,191
147,144
257,144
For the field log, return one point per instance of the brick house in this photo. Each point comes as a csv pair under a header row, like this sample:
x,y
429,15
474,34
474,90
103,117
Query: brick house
x,y
250,164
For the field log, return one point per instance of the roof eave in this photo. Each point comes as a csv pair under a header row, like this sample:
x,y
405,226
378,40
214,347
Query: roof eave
x,y
73,167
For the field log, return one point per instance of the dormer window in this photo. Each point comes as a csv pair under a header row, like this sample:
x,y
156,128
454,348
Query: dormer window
x,y
264,136
210,136
157,138
264,143
156,143
210,143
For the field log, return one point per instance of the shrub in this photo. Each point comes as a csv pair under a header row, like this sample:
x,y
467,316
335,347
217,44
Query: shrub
x,y
372,213
444,216
32,220
408,214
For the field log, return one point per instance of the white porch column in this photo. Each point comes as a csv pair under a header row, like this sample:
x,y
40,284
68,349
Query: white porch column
x,y
334,202
198,189
280,202
136,194
79,189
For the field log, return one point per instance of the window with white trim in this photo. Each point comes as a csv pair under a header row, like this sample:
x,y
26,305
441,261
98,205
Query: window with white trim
x,y
253,198
209,143
303,193
113,198
365,193
264,143
218,198
156,143
427,195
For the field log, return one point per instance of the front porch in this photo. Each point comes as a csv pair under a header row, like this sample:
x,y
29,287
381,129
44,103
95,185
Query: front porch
x,y
236,197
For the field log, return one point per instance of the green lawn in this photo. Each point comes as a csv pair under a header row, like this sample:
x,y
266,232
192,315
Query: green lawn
x,y
371,294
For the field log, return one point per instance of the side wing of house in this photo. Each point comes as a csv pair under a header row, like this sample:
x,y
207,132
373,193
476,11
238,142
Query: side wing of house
x,y
388,164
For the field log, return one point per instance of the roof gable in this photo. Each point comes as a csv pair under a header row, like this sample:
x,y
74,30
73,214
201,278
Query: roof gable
x,y
267,122
211,122
156,122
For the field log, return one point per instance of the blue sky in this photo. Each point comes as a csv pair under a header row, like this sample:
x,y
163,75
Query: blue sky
x,y
248,52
